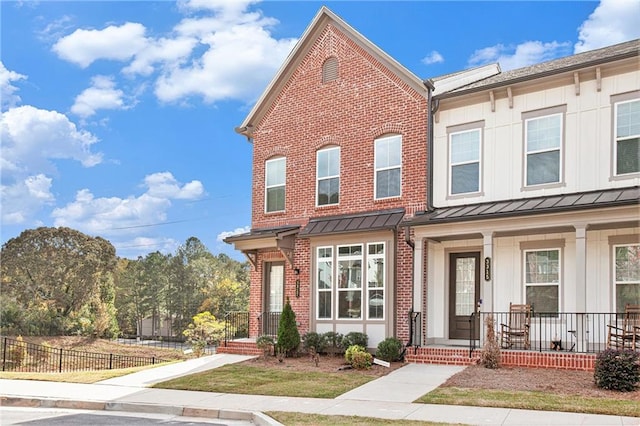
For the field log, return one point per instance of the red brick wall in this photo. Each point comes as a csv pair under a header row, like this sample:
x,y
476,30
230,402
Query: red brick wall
x,y
365,102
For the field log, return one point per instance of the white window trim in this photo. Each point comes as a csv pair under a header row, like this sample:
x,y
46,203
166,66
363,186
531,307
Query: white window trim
x,y
376,169
479,161
318,179
616,139
559,148
267,187
560,272
368,257
330,290
614,278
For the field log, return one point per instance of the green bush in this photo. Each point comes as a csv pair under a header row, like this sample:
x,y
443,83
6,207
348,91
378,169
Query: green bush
x,y
617,370
288,335
355,338
314,342
389,349
334,342
348,354
265,343
17,353
361,360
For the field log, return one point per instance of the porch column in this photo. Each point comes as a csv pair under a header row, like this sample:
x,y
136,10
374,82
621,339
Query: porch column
x,y
581,287
418,267
487,284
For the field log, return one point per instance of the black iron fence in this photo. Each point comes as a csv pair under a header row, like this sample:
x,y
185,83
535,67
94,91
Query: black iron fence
x,y
269,322
552,331
236,325
21,356
175,343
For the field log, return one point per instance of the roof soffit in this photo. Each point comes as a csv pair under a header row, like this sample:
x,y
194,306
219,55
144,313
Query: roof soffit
x,y
323,18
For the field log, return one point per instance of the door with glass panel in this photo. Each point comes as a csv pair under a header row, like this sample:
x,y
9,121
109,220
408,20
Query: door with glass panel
x,y
464,294
273,297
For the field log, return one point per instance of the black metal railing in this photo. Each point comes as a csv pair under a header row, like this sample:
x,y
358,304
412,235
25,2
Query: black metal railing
x,y
269,322
236,326
415,330
21,356
553,331
162,342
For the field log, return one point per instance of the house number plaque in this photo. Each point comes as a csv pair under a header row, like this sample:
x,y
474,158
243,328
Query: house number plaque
x,y
487,268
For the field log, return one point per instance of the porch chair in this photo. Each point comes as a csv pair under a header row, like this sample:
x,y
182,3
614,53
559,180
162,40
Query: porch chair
x,y
516,332
627,336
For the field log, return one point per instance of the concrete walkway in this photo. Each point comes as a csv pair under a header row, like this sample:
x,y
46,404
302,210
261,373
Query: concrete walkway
x,y
389,397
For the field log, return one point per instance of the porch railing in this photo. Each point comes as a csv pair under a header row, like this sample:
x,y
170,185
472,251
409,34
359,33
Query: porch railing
x,y
550,331
269,322
236,326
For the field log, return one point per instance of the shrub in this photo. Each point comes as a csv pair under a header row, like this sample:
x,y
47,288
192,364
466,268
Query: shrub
x,y
389,349
361,360
17,353
617,370
314,342
348,354
265,343
355,338
490,357
334,342
288,335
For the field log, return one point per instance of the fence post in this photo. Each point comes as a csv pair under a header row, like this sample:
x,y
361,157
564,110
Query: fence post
x,y
110,361
60,362
153,360
4,353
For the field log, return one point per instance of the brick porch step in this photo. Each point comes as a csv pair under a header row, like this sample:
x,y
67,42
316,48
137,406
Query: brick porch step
x,y
239,348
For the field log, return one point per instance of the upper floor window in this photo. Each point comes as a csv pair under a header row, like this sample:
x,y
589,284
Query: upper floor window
x,y
627,275
388,166
627,137
328,176
275,183
542,280
464,162
543,143
330,70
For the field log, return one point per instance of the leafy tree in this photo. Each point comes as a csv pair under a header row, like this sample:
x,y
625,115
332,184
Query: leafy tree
x,y
55,273
204,330
288,335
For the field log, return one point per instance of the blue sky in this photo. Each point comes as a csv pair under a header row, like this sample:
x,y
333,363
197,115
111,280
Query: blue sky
x,y
118,117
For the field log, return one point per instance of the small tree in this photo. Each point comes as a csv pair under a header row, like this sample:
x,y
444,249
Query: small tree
x,y
490,356
288,335
204,330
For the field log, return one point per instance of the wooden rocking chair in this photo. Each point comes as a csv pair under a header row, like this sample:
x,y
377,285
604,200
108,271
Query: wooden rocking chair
x,y
627,336
516,333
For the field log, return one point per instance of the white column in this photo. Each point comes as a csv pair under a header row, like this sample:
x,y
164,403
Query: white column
x,y
486,286
418,268
581,287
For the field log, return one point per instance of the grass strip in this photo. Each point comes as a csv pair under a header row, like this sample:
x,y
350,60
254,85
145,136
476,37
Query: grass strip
x,y
530,401
302,419
243,379
92,376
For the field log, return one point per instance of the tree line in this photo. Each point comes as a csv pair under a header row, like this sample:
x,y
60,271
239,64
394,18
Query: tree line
x,y
59,281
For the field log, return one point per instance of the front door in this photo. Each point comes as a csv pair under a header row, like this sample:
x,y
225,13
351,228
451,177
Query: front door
x,y
464,294
273,297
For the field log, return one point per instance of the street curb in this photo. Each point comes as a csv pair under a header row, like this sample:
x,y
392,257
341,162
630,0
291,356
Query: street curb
x,y
255,417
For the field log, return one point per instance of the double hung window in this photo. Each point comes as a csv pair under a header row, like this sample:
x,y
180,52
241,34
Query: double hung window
x,y
388,166
542,280
275,183
328,176
464,162
543,144
627,275
627,137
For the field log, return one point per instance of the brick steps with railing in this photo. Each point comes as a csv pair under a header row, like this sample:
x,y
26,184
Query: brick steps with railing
x,y
239,348
442,356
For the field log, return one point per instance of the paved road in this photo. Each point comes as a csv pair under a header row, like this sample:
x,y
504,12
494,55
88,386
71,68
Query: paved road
x,y
74,417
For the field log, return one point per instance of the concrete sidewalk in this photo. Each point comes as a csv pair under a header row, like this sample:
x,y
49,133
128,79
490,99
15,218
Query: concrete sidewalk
x,y
389,397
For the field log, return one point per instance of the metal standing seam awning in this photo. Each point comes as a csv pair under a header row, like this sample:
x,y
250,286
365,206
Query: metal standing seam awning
x,y
357,222
281,238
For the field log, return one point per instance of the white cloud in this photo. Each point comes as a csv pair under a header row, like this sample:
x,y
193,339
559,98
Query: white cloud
x,y
24,198
164,185
101,95
115,216
171,52
7,90
612,22
522,55
433,58
225,234
32,137
83,47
